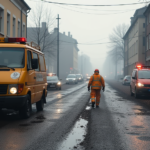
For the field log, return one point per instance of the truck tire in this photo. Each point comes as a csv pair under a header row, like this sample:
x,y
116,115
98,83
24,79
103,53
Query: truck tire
x,y
40,104
25,111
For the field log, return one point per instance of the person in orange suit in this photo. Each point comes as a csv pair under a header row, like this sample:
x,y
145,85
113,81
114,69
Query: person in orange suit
x,y
96,83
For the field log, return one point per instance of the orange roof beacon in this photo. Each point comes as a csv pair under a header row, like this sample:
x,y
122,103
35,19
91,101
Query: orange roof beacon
x,y
22,76
140,81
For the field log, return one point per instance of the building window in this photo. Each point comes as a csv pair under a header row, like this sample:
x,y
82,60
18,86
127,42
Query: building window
x,y
23,30
18,28
8,24
14,27
1,20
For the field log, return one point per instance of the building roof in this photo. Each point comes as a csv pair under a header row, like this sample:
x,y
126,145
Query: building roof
x,y
25,4
139,13
148,8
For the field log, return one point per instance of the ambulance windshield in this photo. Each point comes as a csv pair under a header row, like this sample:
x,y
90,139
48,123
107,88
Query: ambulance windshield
x,y
12,57
144,74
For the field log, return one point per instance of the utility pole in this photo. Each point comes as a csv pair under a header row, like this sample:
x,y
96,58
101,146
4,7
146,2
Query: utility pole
x,y
58,45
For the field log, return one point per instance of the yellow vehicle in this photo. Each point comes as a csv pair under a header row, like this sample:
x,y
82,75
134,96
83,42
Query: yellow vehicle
x,y
23,77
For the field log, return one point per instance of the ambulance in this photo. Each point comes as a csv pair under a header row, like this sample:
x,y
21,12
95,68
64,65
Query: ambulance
x,y
140,81
23,77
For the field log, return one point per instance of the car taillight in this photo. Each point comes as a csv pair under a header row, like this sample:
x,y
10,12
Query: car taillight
x,y
125,80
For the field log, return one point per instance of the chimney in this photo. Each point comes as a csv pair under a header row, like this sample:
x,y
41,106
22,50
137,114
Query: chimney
x,y
69,34
64,33
43,24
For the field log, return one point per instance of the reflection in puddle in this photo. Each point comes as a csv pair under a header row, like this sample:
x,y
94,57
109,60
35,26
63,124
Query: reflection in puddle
x,y
88,108
75,137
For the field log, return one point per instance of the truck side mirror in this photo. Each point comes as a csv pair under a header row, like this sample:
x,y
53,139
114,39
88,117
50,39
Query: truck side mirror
x,y
35,63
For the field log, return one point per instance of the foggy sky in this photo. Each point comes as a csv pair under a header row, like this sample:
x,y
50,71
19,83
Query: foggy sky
x,y
91,28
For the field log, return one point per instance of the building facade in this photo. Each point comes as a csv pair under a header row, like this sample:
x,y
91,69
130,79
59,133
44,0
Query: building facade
x,y
68,54
134,42
147,35
13,18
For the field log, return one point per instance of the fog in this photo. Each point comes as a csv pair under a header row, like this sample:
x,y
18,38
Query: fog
x,y
91,28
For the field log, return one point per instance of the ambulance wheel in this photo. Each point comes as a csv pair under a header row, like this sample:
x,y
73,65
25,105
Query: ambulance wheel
x,y
136,94
40,104
25,111
131,93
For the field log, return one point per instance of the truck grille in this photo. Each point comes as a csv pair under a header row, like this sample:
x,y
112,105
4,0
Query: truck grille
x,y
3,88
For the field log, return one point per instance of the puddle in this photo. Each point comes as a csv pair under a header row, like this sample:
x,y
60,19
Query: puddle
x,y
144,138
88,108
75,137
40,117
25,124
38,121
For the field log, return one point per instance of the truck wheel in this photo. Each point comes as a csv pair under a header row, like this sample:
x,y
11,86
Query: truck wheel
x,y
40,104
136,95
131,93
25,111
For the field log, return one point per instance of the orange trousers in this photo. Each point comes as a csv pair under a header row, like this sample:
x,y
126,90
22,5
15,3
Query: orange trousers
x,y
95,93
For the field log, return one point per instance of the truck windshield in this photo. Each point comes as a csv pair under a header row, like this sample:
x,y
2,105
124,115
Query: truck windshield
x,y
12,57
144,74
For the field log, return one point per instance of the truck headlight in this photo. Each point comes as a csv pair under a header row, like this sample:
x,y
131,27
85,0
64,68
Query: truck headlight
x,y
13,89
140,84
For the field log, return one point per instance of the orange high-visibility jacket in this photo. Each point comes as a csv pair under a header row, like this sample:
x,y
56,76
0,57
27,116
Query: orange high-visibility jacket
x,y
96,81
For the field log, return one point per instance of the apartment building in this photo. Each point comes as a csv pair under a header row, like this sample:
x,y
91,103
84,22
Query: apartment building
x,y
13,18
147,35
68,53
134,42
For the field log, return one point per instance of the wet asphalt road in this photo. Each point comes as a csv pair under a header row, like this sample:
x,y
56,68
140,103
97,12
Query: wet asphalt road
x,y
44,130
121,122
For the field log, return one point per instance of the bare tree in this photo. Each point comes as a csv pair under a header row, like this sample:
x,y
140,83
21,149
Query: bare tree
x,y
117,41
41,26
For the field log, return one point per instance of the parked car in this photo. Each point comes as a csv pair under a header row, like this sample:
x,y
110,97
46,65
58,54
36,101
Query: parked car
x,y
53,82
71,78
126,80
80,77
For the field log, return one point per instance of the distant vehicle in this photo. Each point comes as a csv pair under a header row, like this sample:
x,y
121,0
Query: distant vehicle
x,y
126,80
53,82
88,77
51,74
71,78
140,81
80,77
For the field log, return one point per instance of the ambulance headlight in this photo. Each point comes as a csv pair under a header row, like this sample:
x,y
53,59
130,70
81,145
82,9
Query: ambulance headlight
x,y
13,89
140,84
59,83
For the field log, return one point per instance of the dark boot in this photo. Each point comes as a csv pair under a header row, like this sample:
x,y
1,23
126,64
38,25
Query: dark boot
x,y
93,103
97,106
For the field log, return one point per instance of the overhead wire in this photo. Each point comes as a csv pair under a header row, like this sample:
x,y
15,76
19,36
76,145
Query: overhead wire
x,y
94,5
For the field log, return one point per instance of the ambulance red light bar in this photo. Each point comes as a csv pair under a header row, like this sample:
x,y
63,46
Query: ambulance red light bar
x,y
142,67
13,40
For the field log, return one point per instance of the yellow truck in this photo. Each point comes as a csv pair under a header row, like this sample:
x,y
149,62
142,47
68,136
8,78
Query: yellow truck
x,y
23,77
